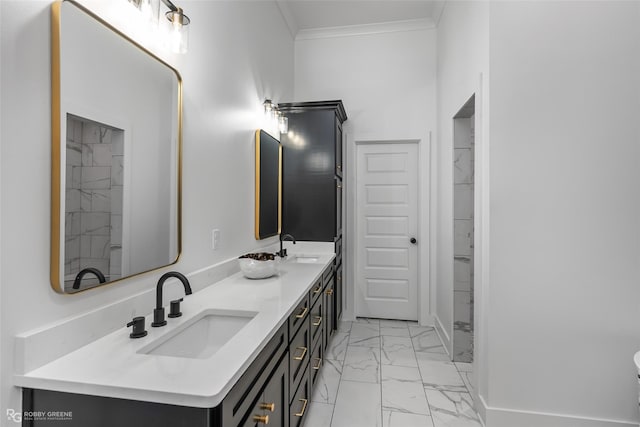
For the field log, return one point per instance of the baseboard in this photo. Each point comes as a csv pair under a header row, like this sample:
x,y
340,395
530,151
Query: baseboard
x,y
443,335
503,417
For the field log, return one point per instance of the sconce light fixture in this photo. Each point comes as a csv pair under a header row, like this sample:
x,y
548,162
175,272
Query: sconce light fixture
x,y
179,37
273,113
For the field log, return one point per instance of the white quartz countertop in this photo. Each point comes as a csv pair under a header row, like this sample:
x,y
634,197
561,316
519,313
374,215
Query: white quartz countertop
x,y
112,366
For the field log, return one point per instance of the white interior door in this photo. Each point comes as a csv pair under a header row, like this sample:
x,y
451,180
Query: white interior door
x,y
386,223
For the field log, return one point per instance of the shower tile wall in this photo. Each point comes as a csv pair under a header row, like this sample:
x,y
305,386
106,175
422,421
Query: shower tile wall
x,y
93,212
463,240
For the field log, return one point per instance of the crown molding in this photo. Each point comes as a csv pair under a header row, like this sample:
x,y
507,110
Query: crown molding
x,y
365,29
289,19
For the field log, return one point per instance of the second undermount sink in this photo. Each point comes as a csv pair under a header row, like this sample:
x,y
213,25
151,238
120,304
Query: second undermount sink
x,y
203,336
305,259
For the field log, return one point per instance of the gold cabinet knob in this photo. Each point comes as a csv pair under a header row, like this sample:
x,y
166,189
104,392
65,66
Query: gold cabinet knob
x,y
261,419
271,407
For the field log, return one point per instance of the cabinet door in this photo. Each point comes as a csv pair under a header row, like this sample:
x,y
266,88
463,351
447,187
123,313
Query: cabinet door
x,y
338,231
298,407
338,148
329,304
299,352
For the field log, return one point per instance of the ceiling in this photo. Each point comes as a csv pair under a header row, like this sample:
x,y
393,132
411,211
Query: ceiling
x,y
304,15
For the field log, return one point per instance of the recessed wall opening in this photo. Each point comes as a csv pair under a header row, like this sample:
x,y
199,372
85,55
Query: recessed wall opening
x,y
94,200
463,230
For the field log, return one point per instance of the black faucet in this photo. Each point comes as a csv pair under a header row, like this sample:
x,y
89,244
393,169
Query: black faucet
x,y
95,271
158,312
283,252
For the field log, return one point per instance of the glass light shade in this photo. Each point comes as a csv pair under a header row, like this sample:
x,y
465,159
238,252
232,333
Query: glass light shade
x,y
283,124
179,32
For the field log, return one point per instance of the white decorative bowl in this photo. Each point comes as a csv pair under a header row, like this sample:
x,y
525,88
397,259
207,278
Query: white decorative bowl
x,y
254,269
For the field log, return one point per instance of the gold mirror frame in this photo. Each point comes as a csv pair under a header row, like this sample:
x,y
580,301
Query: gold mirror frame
x,y
57,242
259,169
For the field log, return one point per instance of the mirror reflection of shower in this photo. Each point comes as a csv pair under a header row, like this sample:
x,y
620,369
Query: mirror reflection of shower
x,y
93,203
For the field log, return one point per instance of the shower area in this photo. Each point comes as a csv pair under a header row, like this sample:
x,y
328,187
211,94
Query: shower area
x,y
463,245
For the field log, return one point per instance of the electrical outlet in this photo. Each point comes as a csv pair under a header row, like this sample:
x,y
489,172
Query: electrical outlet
x,y
215,239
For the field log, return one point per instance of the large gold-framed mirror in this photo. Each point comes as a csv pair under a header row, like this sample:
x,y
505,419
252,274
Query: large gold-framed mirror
x,y
268,185
116,117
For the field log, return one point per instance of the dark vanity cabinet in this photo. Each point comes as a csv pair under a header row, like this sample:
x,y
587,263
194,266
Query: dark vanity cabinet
x,y
312,170
275,390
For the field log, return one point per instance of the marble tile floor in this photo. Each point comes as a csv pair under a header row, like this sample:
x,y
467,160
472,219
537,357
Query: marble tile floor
x,y
390,373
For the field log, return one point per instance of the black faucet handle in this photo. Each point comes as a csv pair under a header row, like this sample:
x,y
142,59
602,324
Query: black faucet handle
x,y
138,327
174,311
158,317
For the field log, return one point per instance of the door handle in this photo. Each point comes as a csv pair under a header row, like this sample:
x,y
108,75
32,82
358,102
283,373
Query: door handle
x,y
413,240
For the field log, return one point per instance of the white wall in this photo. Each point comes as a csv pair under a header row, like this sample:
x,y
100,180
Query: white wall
x,y
463,56
563,314
240,53
386,81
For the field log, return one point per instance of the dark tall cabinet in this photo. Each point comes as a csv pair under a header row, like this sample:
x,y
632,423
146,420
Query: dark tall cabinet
x,y
312,181
312,170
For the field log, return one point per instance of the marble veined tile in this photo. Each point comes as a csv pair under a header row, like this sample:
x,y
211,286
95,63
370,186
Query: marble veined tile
x,y
389,323
400,373
344,326
397,351
326,388
462,166
440,375
338,347
368,321
358,405
433,356
404,396
402,419
365,334
452,409
361,364
319,415
462,229
425,339
96,177
463,201
394,332
102,155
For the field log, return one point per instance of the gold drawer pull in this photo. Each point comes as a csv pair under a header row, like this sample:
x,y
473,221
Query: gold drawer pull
x,y
319,363
304,351
339,167
304,408
261,419
318,322
318,289
329,292
271,407
304,313
339,186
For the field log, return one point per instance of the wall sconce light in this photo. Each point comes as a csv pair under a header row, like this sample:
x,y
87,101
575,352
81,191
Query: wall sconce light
x,y
179,37
272,112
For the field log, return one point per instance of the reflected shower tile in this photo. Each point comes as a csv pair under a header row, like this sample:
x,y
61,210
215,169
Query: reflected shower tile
x,y
72,223
96,177
326,388
74,153
76,177
95,223
72,247
116,200
100,247
116,229
85,200
101,201
117,170
358,405
87,154
72,200
338,347
361,364
102,155
319,415
401,419
105,135
463,201
397,351
440,375
90,133
117,142
450,409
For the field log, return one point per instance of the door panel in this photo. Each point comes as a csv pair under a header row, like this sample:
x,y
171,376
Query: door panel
x,y
387,219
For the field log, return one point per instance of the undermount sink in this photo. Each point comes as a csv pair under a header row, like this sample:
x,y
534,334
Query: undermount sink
x,y
305,259
203,336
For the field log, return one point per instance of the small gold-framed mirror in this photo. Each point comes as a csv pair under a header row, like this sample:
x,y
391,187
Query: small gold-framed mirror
x,y
116,117
268,185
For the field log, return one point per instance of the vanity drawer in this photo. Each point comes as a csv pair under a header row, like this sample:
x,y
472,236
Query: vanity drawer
x,y
317,320
316,291
299,350
299,316
244,393
315,362
327,274
299,404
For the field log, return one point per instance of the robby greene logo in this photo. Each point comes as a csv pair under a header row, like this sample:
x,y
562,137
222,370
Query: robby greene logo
x,y
17,417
